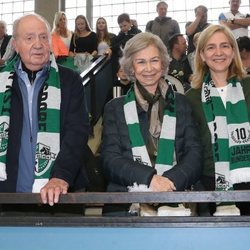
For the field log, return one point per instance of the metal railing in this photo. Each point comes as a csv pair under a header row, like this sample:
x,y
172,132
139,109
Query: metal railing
x,y
98,199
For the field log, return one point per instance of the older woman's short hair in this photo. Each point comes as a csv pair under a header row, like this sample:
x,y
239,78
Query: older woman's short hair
x,y
138,43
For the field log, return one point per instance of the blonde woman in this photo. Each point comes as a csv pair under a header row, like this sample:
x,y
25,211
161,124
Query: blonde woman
x,y
84,40
61,35
220,99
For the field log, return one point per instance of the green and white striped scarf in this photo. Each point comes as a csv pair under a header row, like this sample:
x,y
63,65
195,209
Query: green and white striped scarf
x,y
165,152
48,138
230,133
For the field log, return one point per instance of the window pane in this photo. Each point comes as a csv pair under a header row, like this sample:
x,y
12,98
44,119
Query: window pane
x,y
145,10
10,10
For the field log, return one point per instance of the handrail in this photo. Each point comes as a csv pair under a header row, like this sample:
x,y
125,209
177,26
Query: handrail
x,y
88,198
140,197
93,68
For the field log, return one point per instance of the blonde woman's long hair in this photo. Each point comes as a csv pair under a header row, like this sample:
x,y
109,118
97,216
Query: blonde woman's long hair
x,y
57,17
200,67
76,32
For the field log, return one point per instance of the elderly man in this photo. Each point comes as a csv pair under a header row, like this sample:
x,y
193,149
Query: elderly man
x,y
235,20
198,25
44,123
163,26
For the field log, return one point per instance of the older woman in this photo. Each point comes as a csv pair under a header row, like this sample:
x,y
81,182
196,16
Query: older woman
x,y
220,99
149,136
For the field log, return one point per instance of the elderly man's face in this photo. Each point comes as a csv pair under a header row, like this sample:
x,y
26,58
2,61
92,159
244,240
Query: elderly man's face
x,y
32,42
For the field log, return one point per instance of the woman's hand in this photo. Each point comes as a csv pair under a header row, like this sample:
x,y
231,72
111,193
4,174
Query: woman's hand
x,y
161,184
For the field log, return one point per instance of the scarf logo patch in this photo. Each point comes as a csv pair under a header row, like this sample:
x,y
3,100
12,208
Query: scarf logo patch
x,y
241,135
221,183
138,158
4,129
44,156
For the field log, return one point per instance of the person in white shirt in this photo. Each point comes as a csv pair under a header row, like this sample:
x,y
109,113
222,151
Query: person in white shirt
x,y
235,20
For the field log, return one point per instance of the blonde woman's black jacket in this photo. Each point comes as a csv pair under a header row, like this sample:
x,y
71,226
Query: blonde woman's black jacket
x,y
116,154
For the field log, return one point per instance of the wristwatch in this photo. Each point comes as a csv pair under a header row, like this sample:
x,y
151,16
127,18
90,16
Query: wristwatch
x,y
230,20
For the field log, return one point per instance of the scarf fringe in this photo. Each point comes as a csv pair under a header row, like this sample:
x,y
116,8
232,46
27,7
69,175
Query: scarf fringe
x,y
240,175
3,174
227,210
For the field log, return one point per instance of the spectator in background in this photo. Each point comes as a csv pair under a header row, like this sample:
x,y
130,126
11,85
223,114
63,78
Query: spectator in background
x,y
134,23
192,54
199,24
163,26
60,40
104,38
61,35
9,53
83,40
122,85
127,31
45,118
83,44
244,48
179,66
5,41
235,20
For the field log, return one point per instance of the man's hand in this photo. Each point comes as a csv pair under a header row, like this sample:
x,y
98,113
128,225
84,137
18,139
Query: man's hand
x,y
51,191
161,184
200,13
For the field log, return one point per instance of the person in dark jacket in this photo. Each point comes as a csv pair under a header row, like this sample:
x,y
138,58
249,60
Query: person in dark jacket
x,y
44,123
163,26
4,41
149,136
127,31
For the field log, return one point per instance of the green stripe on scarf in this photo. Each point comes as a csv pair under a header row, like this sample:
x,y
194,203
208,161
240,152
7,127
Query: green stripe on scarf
x,y
165,151
48,138
234,114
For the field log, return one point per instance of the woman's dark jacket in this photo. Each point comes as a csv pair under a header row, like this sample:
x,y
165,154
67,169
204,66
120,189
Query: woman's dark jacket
x,y
118,165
